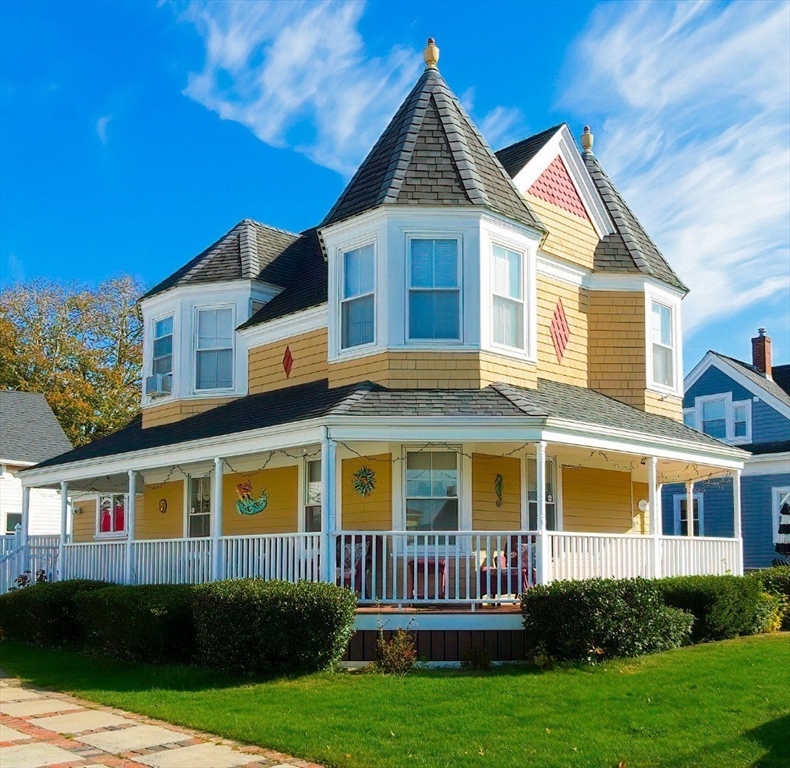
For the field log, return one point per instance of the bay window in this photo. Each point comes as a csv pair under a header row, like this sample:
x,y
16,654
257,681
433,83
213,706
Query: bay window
x,y
663,343
214,349
357,305
431,491
508,297
163,347
434,289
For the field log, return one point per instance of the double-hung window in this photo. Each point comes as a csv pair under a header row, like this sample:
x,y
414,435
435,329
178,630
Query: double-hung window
x,y
214,363
434,289
163,347
312,497
532,495
112,514
714,417
431,491
740,420
199,512
663,342
720,417
508,297
357,306
681,515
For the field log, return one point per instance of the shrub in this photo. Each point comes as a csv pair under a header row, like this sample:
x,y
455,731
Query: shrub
x,y
475,658
600,619
272,627
771,609
45,614
722,606
397,655
776,581
151,623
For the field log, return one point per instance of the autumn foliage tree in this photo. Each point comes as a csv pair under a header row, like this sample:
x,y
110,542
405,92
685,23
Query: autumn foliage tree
x,y
81,347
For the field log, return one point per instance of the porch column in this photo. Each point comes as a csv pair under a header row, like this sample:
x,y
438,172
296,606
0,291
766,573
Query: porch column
x,y
654,500
64,530
690,509
543,550
131,517
328,517
216,521
736,521
24,532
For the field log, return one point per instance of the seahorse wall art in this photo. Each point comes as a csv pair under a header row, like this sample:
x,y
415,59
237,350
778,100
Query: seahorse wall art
x,y
246,505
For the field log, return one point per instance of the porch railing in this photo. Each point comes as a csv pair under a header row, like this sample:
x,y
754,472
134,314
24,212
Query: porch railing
x,y
698,556
172,561
598,555
447,567
292,557
101,561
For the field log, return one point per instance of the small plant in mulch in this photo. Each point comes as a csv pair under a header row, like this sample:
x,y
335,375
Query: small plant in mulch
x,y
475,658
397,655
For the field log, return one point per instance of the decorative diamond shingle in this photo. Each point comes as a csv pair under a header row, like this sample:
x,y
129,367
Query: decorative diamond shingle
x,y
288,362
560,330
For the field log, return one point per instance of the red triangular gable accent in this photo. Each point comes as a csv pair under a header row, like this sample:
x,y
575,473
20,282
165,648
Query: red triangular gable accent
x,y
554,185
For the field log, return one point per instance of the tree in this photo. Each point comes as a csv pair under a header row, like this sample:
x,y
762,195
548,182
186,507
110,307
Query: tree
x,y
81,347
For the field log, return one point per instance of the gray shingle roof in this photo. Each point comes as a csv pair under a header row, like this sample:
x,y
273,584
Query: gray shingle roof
x,y
760,379
431,154
242,253
629,248
516,156
781,375
29,430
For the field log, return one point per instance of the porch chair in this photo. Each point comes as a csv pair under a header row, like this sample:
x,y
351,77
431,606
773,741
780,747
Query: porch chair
x,y
506,575
353,564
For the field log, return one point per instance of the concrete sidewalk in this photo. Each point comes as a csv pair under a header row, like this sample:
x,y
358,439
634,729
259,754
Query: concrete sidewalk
x,y
42,729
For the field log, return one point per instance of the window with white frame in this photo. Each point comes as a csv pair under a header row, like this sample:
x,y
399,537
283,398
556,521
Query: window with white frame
x,y
199,511
214,349
507,282
431,490
681,515
781,515
714,417
112,514
357,305
434,289
163,347
741,426
532,495
663,343
720,417
312,496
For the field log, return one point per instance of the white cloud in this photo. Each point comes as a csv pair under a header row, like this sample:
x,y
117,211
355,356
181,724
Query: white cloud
x,y
692,102
101,128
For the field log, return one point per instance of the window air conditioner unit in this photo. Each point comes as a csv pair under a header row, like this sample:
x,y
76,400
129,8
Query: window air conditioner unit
x,y
159,384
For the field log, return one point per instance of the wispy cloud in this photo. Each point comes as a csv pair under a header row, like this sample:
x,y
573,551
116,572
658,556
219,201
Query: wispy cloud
x,y
101,128
691,102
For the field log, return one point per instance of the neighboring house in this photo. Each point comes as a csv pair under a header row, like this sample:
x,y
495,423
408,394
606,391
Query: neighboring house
x,y
29,433
464,380
748,405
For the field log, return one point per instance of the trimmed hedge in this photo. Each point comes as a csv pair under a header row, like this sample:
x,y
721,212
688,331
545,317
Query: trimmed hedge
x,y
272,627
151,623
46,614
776,581
723,606
599,619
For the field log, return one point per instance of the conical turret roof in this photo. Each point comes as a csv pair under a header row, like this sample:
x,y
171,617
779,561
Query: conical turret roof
x,y
431,154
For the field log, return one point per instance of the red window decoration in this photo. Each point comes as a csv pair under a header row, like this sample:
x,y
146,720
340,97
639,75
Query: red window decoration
x,y
111,514
560,331
288,362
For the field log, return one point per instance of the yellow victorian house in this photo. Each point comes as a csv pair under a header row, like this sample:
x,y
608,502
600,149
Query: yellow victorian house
x,y
464,381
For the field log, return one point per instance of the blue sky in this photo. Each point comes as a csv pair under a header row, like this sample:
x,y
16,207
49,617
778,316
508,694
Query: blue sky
x,y
133,134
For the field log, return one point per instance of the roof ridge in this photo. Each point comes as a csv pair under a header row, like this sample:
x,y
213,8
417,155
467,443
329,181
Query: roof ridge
x,y
514,395
261,224
248,250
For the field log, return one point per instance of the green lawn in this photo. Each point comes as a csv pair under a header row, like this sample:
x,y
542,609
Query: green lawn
x,y
721,704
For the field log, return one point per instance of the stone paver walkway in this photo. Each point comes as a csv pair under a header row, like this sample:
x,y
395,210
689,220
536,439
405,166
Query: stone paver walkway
x,y
42,729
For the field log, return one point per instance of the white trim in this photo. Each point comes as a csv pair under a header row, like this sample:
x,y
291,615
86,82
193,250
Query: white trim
x,y
97,534
777,492
196,310
677,500
711,359
262,290
295,324
354,245
768,464
729,416
446,620
672,302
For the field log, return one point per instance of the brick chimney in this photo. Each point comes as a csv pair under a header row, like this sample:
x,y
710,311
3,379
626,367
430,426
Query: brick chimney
x,y
761,352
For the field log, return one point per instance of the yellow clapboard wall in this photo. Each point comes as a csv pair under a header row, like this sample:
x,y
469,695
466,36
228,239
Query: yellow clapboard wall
x,y
281,513
372,512
486,515
84,522
641,523
150,523
596,500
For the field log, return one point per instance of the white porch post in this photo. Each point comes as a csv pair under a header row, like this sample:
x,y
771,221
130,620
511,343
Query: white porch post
x,y
543,550
64,530
24,532
328,517
654,500
131,510
690,509
216,521
736,521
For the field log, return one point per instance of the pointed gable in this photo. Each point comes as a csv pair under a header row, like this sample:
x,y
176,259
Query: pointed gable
x,y
431,154
555,186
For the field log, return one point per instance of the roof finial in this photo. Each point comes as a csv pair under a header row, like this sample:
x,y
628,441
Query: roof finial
x,y
431,54
587,139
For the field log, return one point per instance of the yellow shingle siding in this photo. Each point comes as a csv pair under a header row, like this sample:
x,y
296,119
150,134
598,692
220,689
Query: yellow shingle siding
x,y
486,515
282,509
372,512
570,237
664,405
167,413
309,351
596,501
